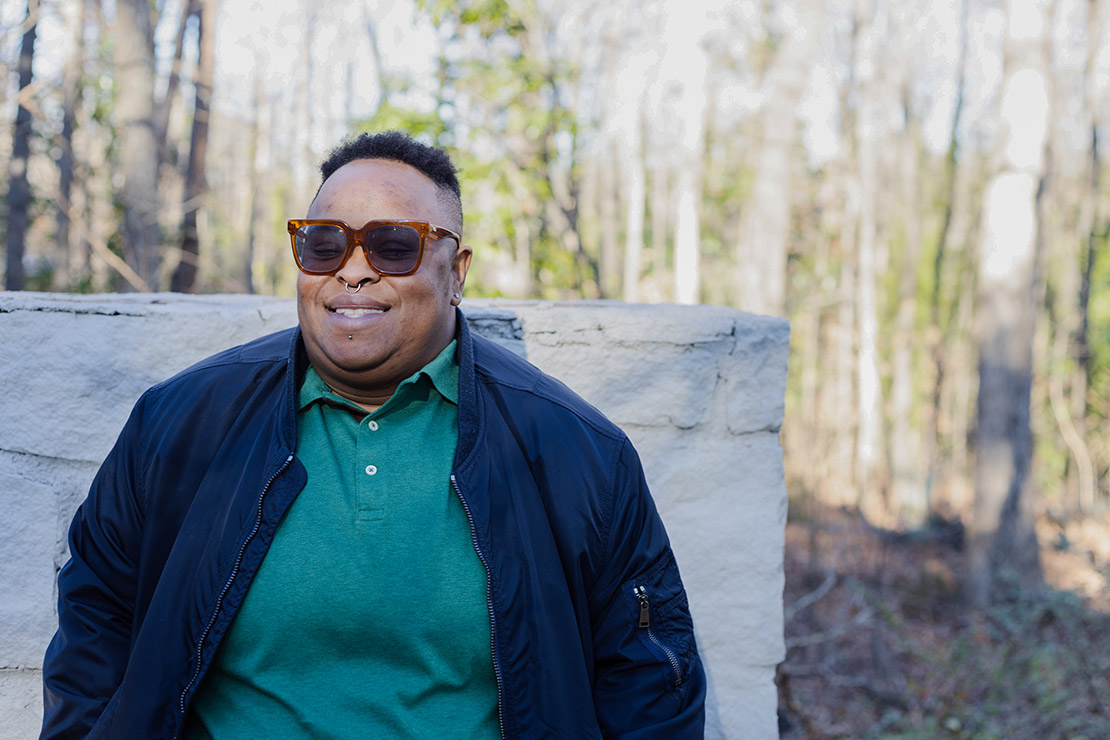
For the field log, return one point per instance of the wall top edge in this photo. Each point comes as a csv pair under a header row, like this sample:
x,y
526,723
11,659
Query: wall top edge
x,y
144,303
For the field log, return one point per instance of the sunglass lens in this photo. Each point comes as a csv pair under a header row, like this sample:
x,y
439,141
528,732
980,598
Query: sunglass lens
x,y
320,247
394,249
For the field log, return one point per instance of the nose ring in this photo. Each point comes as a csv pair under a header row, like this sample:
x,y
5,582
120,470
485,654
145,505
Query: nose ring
x,y
347,286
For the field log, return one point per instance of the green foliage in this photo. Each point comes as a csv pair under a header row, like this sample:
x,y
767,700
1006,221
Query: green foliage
x,y
528,134
1099,330
426,125
489,17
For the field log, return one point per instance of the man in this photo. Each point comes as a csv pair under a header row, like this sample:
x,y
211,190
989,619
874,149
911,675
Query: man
x,y
373,525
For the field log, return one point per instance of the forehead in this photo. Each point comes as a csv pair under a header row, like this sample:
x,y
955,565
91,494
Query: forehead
x,y
367,189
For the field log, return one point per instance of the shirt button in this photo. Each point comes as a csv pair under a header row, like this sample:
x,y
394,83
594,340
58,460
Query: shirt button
x,y
373,425
371,469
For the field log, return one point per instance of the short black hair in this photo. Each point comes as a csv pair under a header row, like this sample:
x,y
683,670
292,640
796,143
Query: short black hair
x,y
398,146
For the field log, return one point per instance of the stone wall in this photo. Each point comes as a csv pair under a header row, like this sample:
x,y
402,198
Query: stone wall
x,y
699,390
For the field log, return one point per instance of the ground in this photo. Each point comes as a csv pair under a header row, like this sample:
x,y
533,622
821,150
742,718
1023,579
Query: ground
x,y
880,644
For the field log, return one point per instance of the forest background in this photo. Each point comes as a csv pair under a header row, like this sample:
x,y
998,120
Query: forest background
x,y
920,187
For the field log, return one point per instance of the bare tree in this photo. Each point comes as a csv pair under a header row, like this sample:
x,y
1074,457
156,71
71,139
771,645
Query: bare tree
x,y
1090,227
185,276
165,105
870,133
685,54
940,339
138,144
659,173
19,189
65,263
1002,548
761,253
254,187
908,494
635,181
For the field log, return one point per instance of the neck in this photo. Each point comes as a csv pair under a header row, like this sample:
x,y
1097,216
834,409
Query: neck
x,y
368,401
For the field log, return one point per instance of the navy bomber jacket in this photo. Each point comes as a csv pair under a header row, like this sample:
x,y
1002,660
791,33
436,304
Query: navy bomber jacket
x,y
591,631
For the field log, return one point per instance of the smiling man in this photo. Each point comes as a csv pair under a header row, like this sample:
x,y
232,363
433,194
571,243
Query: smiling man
x,y
375,525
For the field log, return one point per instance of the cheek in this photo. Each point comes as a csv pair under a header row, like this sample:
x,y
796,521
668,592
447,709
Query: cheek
x,y
446,279
308,286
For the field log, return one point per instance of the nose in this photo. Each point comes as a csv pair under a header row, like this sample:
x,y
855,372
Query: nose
x,y
356,270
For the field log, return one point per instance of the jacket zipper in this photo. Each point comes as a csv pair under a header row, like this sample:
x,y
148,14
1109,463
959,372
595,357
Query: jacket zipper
x,y
489,607
645,624
230,579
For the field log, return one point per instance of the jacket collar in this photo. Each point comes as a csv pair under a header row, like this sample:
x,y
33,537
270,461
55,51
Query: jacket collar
x,y
468,405
296,365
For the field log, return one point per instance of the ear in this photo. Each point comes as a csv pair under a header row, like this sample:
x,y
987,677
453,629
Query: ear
x,y
459,267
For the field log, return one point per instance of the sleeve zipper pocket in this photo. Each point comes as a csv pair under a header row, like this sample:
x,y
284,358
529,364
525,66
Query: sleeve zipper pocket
x,y
645,624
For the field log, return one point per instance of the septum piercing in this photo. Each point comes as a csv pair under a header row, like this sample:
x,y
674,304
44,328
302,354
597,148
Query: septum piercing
x,y
347,286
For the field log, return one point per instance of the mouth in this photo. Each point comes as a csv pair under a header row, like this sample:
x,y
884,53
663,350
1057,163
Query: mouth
x,y
355,313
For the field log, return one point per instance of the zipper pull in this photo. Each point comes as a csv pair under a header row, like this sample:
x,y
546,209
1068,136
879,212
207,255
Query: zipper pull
x,y
645,608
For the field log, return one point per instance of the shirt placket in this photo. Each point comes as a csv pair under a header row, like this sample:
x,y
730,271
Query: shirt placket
x,y
369,494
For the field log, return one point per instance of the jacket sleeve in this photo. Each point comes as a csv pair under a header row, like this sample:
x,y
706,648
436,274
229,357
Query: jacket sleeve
x,y
648,679
85,662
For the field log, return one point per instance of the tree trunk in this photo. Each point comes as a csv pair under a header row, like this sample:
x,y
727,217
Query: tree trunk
x,y
636,188
1089,224
908,491
844,463
64,262
686,53
870,134
909,502
1002,547
660,200
254,186
185,276
165,107
608,157
812,437
940,336
841,412
608,220
765,231
138,144
960,385
19,189
305,175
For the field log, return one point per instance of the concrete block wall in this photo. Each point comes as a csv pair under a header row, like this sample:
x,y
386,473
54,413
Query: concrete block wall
x,y
699,389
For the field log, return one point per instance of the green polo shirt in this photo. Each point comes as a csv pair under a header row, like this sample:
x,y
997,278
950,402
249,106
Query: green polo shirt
x,y
368,616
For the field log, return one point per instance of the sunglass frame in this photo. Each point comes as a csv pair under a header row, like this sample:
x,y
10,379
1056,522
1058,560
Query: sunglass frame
x,y
355,238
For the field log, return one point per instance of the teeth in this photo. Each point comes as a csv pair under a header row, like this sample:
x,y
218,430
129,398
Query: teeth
x,y
354,313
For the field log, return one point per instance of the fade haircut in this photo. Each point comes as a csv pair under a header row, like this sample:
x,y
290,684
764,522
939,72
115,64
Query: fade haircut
x,y
398,146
